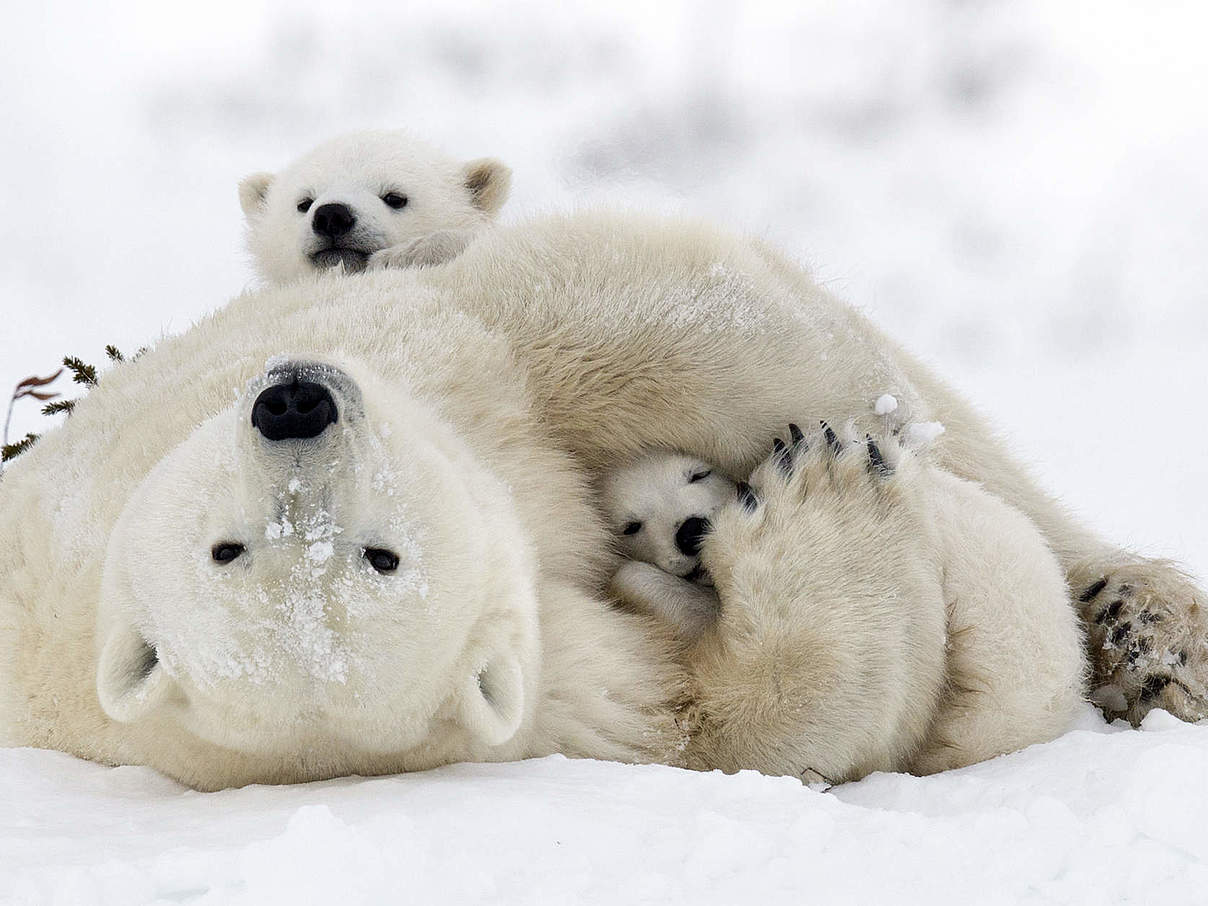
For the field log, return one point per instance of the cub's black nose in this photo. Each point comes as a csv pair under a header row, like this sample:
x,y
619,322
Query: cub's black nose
x,y
301,409
688,538
332,220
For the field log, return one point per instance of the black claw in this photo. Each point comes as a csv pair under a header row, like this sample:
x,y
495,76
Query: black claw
x,y
796,435
1092,591
831,440
1110,612
1121,632
876,461
783,457
747,497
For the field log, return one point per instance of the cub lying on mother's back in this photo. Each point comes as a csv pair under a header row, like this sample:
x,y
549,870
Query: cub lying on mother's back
x,y
381,199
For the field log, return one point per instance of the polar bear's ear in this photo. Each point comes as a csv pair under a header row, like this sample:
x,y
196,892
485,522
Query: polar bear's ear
x,y
253,191
492,702
130,680
488,180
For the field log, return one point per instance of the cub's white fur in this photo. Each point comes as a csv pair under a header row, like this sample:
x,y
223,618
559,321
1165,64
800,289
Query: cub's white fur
x,y
973,630
998,609
659,505
492,391
362,177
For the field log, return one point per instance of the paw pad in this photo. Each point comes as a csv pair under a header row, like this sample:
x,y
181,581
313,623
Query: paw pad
x,y
1144,641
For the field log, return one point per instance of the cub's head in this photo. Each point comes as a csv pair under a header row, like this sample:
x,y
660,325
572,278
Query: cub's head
x,y
659,506
358,194
326,575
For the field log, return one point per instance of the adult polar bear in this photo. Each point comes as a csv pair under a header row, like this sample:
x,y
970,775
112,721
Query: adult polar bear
x,y
473,400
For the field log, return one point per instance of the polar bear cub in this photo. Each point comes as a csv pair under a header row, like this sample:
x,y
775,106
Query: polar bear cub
x,y
660,506
368,199
1007,655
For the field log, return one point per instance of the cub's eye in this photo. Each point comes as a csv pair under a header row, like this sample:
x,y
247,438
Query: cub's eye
x,y
395,200
225,551
631,528
700,476
304,205
382,560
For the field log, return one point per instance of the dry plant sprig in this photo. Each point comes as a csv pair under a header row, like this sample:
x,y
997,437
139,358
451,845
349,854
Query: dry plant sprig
x,y
58,406
81,373
12,451
30,387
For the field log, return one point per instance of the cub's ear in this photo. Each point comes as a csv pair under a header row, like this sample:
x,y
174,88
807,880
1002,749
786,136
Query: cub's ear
x,y
253,190
488,180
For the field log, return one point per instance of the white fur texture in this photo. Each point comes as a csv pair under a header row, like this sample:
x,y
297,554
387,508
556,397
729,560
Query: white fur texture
x,y
1005,669
447,205
494,390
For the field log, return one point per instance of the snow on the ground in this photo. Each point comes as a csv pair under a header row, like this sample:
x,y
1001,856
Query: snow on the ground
x,y
1015,190
1102,815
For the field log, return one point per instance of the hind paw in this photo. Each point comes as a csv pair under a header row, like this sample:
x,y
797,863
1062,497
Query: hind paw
x,y
1147,638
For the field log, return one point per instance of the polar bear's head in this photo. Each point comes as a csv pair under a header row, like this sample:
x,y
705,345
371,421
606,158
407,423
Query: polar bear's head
x,y
659,506
323,571
361,193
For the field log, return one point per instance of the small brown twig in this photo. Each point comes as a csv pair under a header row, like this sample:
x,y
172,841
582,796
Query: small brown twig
x,y
26,388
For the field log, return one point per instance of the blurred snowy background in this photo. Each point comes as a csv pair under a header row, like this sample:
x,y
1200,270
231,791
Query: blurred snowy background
x,y
1016,190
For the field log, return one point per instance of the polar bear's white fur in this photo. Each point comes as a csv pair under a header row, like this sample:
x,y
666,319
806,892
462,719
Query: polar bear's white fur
x,y
998,617
479,400
974,626
374,198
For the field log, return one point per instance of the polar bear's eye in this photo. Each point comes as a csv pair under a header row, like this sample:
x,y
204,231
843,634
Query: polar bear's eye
x,y
699,476
226,551
395,200
631,528
304,205
382,560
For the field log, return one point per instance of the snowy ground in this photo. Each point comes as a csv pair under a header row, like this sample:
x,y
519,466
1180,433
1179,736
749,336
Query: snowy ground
x,y
1102,815
1016,190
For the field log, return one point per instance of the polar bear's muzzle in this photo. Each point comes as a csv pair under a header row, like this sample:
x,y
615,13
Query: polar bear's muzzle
x,y
294,410
297,399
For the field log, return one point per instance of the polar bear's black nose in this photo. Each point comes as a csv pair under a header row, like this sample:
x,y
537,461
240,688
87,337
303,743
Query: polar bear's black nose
x,y
688,538
332,220
298,410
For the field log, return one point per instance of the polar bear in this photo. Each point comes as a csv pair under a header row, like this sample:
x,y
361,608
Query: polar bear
x,y
660,506
1002,591
368,199
346,526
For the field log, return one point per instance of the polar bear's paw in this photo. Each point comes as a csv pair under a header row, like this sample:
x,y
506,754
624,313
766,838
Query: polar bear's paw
x,y
821,492
426,251
825,460
827,534
1147,636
